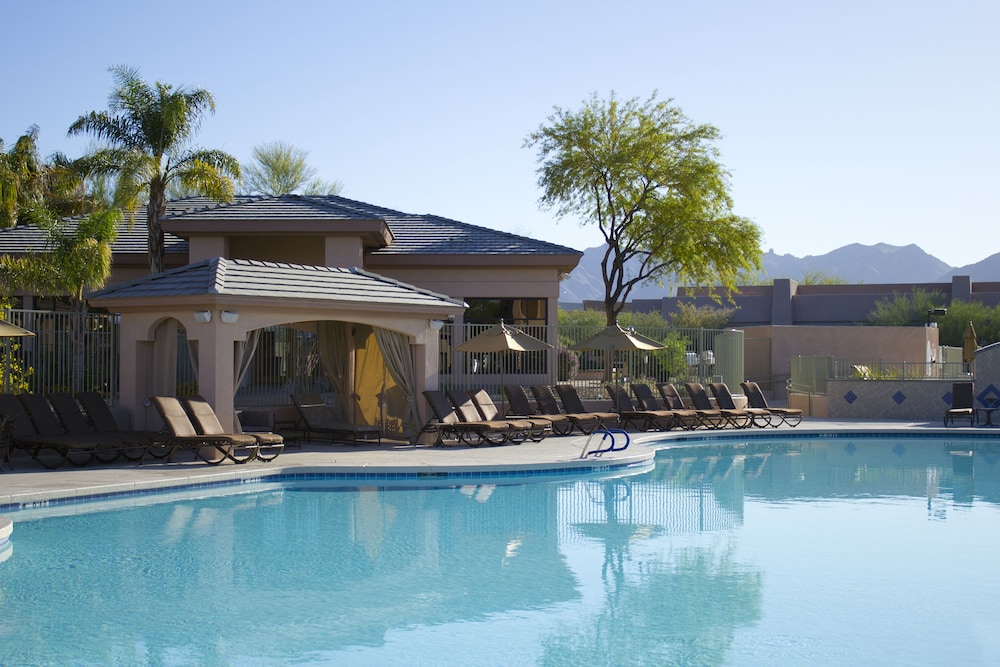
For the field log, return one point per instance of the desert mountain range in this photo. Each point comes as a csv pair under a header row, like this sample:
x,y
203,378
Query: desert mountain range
x,y
854,263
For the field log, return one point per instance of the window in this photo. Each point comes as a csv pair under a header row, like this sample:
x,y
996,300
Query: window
x,y
511,311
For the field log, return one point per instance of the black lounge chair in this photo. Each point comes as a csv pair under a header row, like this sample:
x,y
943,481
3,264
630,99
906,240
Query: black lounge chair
x,y
100,417
685,417
712,416
585,422
518,430
963,405
724,399
76,422
318,417
520,406
269,445
755,397
447,425
49,450
488,410
645,420
573,404
183,435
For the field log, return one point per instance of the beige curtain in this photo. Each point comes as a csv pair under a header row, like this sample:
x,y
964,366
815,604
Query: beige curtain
x,y
244,351
398,355
331,338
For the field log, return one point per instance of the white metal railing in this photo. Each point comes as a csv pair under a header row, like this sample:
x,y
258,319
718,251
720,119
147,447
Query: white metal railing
x,y
69,352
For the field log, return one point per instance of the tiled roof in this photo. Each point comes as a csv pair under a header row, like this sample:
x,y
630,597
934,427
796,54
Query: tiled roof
x,y
240,277
132,237
283,207
413,234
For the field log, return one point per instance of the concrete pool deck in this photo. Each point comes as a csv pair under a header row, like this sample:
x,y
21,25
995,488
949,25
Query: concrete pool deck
x,y
29,484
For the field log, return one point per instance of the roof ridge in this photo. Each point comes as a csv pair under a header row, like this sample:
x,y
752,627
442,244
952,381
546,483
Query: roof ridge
x,y
392,281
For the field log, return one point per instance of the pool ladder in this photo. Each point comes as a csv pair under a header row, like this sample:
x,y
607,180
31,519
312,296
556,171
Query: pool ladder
x,y
606,433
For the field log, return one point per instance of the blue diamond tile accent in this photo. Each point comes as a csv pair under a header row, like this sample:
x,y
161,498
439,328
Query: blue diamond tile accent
x,y
899,449
989,395
850,397
947,397
899,397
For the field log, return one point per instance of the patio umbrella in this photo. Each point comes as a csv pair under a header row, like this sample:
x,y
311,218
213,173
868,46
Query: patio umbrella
x,y
8,331
969,345
502,338
614,338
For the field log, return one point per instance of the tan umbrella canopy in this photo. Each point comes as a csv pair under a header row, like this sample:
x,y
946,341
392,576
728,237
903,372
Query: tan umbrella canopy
x,y
8,329
502,338
617,338
969,344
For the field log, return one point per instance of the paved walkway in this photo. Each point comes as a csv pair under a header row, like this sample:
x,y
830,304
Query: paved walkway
x,y
29,483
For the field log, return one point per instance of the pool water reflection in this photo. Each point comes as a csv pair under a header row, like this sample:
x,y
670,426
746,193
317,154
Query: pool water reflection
x,y
823,552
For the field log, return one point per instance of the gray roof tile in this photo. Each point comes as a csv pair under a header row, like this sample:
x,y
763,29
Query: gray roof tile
x,y
413,234
239,277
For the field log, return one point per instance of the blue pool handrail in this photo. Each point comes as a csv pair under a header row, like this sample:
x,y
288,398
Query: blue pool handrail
x,y
605,434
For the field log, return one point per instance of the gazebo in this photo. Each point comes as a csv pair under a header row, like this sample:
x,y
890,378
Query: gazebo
x,y
222,303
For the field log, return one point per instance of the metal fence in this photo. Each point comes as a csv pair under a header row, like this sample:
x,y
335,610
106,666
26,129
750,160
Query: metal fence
x,y
689,355
287,359
69,352
810,374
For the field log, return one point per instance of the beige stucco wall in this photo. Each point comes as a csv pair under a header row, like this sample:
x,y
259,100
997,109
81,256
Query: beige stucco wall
x,y
891,344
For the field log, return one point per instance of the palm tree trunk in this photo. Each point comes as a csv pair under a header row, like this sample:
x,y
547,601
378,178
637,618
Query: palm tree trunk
x,y
155,210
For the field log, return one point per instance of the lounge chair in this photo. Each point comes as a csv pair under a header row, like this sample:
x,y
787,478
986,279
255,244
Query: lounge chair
x,y
963,404
51,450
706,418
100,416
447,425
183,435
685,417
585,422
520,406
103,447
755,397
573,404
269,445
488,410
76,422
713,416
646,420
318,417
517,430
724,399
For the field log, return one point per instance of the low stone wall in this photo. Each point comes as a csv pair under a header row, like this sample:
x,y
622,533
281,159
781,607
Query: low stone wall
x,y
915,400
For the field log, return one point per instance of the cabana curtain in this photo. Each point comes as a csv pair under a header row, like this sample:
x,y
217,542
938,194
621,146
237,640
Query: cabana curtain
x,y
331,338
398,355
244,351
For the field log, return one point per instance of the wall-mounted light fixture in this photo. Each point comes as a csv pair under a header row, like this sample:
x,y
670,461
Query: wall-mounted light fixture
x,y
935,312
436,325
230,316
202,316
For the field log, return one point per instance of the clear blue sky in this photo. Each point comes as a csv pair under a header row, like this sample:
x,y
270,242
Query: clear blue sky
x,y
843,122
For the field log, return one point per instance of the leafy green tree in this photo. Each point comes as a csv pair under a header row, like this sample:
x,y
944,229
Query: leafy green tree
x,y
901,310
690,316
279,168
650,179
147,130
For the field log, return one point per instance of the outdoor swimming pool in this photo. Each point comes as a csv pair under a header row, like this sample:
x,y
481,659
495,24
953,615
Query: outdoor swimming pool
x,y
831,551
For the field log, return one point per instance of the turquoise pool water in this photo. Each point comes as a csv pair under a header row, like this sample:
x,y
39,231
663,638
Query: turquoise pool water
x,y
837,551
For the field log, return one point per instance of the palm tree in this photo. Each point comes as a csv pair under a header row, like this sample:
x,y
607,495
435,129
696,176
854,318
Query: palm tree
x,y
147,130
280,169
77,260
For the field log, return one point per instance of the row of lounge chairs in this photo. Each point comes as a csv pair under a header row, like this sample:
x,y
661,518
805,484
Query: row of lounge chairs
x,y
471,417
60,428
